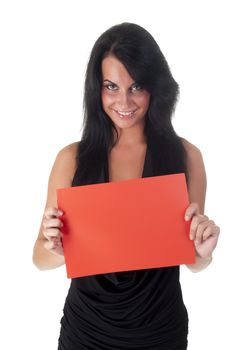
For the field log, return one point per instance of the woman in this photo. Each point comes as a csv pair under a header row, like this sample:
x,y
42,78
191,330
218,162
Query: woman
x,y
129,99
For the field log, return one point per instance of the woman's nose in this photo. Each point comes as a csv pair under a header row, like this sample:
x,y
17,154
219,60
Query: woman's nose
x,y
124,100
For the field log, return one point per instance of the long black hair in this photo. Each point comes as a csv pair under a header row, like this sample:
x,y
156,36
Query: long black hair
x,y
140,54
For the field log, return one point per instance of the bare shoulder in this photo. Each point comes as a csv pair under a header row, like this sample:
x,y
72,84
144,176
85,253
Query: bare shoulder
x,y
68,153
64,166
193,152
197,174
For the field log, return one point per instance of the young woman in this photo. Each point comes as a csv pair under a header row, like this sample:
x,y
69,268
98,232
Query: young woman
x,y
130,95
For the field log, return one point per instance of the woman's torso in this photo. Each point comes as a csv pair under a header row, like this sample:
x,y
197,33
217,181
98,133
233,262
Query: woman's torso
x,y
140,309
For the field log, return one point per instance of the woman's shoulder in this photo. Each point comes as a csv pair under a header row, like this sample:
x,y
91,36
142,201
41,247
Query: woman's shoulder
x,y
66,161
194,155
197,174
189,147
69,151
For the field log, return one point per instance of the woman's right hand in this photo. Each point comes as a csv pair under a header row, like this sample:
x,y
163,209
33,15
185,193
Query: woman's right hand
x,y
51,230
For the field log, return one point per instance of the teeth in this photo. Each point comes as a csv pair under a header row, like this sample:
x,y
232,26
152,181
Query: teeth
x,y
125,113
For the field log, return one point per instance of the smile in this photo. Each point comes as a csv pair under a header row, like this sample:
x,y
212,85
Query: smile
x,y
125,113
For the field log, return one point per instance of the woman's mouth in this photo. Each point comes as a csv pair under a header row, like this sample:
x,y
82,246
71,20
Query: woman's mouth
x,y
125,114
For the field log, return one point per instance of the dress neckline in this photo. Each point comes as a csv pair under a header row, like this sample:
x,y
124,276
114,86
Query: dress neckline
x,y
144,166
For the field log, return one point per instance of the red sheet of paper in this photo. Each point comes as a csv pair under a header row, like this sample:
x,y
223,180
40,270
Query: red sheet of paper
x,y
125,225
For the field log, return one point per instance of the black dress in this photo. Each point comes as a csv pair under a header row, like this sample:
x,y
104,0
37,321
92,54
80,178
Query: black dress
x,y
140,309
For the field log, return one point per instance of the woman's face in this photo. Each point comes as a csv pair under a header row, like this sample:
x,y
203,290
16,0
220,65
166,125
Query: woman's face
x,y
123,100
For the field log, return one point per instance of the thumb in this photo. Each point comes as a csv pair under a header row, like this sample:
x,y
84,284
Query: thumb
x,y
192,209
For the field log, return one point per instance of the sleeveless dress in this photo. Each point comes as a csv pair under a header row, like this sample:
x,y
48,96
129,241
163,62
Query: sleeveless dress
x,y
140,309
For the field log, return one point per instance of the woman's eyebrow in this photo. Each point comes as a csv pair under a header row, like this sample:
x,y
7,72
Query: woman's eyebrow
x,y
107,80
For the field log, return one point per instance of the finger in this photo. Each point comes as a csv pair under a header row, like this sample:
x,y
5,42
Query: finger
x,y
201,227
192,209
52,212
56,241
49,245
52,223
58,250
194,224
212,230
52,232
54,248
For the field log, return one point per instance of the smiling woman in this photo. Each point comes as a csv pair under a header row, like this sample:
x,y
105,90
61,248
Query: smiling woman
x,y
122,98
130,95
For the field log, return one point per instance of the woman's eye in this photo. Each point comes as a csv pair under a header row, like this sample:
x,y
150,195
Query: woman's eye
x,y
136,87
111,87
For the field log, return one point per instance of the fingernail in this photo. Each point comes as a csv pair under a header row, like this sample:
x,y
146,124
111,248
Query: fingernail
x,y
186,217
60,212
191,237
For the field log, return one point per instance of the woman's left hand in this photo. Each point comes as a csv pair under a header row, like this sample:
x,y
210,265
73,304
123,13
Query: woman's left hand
x,y
203,231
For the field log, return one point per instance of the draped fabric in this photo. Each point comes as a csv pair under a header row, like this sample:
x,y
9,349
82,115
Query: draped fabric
x,y
140,309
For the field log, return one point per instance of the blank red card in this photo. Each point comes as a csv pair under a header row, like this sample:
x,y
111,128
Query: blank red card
x,y
125,225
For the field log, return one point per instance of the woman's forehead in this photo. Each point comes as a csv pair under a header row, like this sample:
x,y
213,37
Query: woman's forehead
x,y
114,71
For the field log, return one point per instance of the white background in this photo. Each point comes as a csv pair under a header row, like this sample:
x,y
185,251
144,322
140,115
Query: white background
x,y
45,47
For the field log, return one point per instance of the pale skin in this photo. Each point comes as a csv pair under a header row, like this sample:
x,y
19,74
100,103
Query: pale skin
x,y
121,94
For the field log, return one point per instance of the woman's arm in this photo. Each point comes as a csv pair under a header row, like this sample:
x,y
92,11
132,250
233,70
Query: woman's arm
x,y
60,177
203,231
